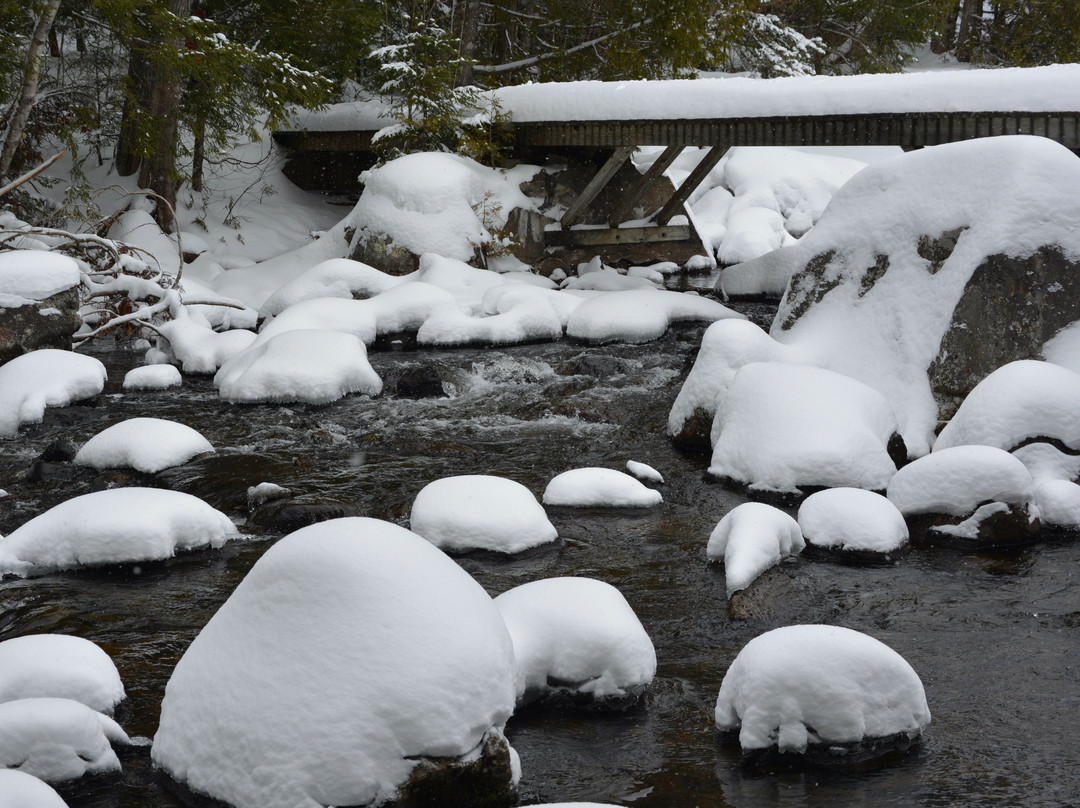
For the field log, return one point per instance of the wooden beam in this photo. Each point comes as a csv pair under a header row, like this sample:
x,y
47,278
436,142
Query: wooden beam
x,y
596,185
602,236
659,166
690,184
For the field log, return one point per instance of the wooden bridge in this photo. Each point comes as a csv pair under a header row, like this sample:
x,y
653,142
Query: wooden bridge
x,y
609,144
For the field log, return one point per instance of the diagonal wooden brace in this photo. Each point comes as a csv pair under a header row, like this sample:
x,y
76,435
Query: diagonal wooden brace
x,y
596,185
666,158
690,184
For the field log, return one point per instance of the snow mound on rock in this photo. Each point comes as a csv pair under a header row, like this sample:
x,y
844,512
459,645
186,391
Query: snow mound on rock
x,y
352,648
577,635
751,538
57,739
34,275
152,377
852,519
796,686
114,526
45,378
21,790
640,315
594,487
783,426
480,512
59,666
144,444
311,366
1018,401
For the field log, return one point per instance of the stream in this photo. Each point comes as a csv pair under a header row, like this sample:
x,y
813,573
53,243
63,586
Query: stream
x,y
995,638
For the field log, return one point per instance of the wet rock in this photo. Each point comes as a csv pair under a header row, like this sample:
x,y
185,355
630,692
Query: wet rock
x,y
48,323
695,433
481,781
597,366
778,595
285,516
993,525
420,381
59,451
223,480
378,250
878,750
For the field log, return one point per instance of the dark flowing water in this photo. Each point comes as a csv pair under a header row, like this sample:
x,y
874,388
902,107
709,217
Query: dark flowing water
x,y
995,639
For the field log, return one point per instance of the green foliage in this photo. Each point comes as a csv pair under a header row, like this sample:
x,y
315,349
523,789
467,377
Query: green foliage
x,y
419,75
1028,33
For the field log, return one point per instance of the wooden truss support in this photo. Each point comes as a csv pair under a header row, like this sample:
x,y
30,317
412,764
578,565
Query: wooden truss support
x,y
662,163
607,236
690,184
596,185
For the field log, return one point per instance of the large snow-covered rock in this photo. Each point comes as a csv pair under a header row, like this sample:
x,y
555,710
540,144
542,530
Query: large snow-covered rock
x,y
57,739
641,315
594,487
59,666
21,790
832,693
352,653
779,427
852,520
311,366
39,301
45,378
480,512
114,526
144,444
973,494
577,636
751,538
930,270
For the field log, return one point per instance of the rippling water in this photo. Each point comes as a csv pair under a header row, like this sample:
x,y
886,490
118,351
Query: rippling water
x,y
995,639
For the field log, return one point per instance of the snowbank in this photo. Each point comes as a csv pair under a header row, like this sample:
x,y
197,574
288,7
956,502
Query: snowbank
x,y
784,426
751,538
599,488
144,444
801,686
59,666
413,660
57,739
480,512
579,636
45,378
114,526
852,519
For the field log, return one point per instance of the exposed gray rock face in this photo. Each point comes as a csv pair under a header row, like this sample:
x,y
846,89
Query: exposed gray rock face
x,y
379,251
47,323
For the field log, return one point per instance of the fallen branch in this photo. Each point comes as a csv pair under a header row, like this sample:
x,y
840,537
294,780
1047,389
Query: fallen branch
x,y
29,175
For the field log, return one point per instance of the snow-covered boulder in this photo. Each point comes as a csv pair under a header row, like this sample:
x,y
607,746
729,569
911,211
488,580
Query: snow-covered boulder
x,y
311,366
751,538
726,346
114,526
577,637
59,666
336,277
852,520
152,377
352,654
594,487
830,693
39,301
974,495
780,427
1022,401
932,269
45,378
480,512
21,790
57,739
144,444
645,472
641,315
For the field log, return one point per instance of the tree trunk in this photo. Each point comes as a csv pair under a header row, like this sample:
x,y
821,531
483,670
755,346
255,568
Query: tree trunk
x,y
35,60
969,29
128,153
198,154
470,26
944,39
157,172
